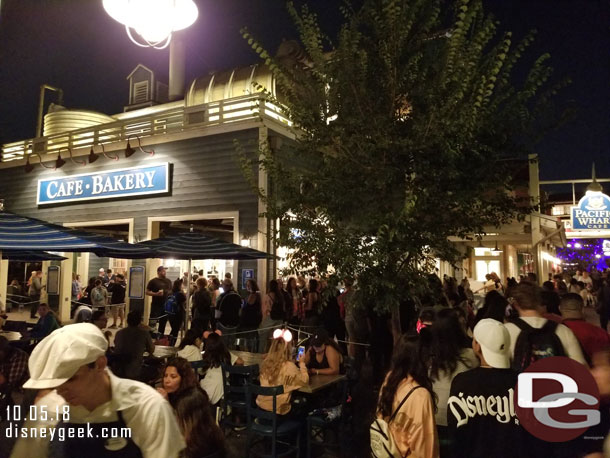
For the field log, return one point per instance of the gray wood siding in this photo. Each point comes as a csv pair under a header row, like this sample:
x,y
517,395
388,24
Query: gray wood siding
x,y
206,178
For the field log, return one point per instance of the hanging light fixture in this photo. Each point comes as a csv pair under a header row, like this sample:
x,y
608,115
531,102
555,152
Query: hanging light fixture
x,y
28,167
60,162
94,157
129,150
496,249
150,23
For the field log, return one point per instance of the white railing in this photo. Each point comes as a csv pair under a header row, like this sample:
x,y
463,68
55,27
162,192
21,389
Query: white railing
x,y
165,122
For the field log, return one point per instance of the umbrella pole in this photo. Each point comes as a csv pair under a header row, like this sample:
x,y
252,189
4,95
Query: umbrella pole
x,y
188,300
2,301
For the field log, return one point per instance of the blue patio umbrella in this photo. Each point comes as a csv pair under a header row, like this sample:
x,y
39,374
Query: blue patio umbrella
x,y
21,233
25,234
194,245
31,256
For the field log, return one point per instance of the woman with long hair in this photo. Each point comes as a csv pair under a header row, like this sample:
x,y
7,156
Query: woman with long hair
x,y
202,305
312,304
214,285
412,421
202,435
273,314
190,346
216,354
278,368
494,307
178,376
251,315
297,300
450,354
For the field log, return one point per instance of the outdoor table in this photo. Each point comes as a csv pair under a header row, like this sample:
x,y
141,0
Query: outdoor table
x,y
316,382
162,351
11,335
250,359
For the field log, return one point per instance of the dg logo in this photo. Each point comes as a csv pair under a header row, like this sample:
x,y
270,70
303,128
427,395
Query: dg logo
x,y
557,399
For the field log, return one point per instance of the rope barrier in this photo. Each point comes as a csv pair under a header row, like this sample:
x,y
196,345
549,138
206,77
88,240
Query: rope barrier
x,y
309,334
11,301
292,328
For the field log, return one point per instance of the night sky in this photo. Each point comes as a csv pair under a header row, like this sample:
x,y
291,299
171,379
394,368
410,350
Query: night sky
x,y
75,45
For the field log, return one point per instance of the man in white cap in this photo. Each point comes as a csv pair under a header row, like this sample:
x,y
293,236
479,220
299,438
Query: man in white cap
x,y
108,416
480,410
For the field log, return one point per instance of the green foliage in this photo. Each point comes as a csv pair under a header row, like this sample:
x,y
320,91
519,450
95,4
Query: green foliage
x,y
404,124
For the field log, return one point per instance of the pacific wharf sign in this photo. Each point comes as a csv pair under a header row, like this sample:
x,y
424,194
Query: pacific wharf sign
x,y
592,212
133,181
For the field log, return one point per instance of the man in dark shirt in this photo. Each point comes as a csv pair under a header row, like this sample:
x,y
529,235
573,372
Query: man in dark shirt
x,y
480,410
159,288
117,287
229,304
129,347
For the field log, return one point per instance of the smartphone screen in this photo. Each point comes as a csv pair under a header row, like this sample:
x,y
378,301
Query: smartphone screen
x,y
300,353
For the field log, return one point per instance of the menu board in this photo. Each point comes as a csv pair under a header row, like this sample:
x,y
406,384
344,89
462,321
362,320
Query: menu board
x,y
136,282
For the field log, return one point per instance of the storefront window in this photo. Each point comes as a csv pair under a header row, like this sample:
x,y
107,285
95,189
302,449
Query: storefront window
x,y
484,267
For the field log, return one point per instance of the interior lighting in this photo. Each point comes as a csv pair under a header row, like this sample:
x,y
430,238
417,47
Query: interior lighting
x,y
245,242
129,150
577,245
150,23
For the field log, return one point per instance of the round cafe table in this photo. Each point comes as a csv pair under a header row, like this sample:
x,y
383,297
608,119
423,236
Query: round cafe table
x,y
11,335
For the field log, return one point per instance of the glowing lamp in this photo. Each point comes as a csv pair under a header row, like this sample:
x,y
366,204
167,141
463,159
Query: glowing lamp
x,y
153,21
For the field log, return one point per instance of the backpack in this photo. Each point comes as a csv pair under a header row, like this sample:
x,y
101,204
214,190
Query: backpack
x,y
171,304
97,295
382,441
534,344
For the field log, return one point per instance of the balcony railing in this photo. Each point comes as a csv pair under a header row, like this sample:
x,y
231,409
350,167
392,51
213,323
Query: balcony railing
x,y
161,123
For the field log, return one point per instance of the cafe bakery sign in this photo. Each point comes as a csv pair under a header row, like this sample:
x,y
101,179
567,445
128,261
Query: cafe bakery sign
x,y
592,212
112,184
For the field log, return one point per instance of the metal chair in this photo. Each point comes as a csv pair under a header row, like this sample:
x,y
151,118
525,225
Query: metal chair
x,y
269,425
317,425
235,380
197,366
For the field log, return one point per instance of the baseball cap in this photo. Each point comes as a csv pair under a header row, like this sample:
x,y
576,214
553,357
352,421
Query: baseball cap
x,y
495,342
319,339
102,269
59,355
160,268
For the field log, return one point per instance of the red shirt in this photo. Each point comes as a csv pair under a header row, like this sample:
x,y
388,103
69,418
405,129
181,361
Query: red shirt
x,y
591,337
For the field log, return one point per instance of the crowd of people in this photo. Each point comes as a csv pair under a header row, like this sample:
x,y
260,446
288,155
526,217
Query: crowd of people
x,y
447,390
468,360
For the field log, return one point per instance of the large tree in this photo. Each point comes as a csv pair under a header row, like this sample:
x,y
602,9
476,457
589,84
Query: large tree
x,y
404,125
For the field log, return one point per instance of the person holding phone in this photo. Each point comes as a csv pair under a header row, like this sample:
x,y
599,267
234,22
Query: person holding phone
x,y
324,356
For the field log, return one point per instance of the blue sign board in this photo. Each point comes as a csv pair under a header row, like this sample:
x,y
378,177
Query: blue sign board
x,y
112,184
246,274
592,212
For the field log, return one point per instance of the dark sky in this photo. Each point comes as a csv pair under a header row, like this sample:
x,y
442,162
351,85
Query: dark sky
x,y
75,45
